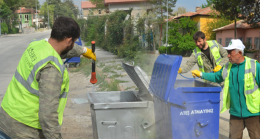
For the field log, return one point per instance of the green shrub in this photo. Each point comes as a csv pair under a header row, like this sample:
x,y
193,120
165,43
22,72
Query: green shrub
x,y
162,50
176,51
15,30
4,28
168,50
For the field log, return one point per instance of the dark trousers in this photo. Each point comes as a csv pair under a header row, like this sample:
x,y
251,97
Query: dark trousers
x,y
237,125
3,135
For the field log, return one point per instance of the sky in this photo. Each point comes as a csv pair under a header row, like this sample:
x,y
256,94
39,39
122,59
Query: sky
x,y
190,5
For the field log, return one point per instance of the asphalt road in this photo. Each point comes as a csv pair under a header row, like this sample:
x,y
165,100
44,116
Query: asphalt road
x,y
11,50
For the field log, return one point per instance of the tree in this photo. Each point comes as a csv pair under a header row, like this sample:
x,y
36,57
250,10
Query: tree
x,y
13,5
249,10
44,13
207,4
65,8
29,4
219,21
180,10
181,33
5,11
160,10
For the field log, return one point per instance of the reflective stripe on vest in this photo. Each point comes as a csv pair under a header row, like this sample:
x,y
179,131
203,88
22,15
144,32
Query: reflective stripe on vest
x,y
215,52
250,86
27,84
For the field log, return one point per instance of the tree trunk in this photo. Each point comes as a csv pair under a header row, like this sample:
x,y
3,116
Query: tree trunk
x,y
235,28
160,40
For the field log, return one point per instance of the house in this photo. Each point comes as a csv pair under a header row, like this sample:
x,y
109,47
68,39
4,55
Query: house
x,y
245,32
89,9
139,7
201,16
26,16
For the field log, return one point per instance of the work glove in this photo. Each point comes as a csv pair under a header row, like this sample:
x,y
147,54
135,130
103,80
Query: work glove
x,y
196,73
217,68
88,53
180,70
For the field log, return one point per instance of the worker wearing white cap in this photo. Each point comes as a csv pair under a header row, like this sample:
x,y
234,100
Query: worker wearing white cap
x,y
241,93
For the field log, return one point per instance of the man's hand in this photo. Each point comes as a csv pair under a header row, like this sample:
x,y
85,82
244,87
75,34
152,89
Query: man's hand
x,y
196,73
217,68
180,70
89,54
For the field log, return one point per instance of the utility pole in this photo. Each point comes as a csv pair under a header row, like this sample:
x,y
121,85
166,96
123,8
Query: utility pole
x,y
21,20
167,28
36,17
48,16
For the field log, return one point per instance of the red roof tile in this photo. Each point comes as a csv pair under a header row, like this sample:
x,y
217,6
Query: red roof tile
x,y
122,1
204,11
240,25
25,10
87,4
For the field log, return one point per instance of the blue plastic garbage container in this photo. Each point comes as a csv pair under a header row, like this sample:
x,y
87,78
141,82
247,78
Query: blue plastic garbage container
x,y
184,109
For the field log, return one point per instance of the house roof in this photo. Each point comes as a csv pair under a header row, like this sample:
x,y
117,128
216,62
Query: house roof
x,y
25,10
240,25
205,11
122,1
87,4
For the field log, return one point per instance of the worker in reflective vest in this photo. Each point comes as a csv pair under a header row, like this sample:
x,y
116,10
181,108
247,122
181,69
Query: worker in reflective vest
x,y
35,99
209,55
241,93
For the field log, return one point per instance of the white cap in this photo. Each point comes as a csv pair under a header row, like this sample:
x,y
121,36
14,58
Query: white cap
x,y
235,44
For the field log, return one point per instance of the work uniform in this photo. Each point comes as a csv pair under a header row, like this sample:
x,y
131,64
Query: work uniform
x,y
241,95
46,117
206,63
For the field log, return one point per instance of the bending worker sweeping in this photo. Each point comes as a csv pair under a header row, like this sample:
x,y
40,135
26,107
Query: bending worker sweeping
x,y
35,99
209,55
241,93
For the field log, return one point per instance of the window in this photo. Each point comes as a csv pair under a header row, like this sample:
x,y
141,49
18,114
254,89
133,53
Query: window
x,y
257,43
220,41
241,38
26,17
198,25
249,40
99,11
227,41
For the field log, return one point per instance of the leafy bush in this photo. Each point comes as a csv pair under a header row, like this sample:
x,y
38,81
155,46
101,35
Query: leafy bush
x,y
162,50
176,51
4,28
15,30
181,33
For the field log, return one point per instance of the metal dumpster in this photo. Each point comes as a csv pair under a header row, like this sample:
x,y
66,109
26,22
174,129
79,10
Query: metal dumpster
x,y
184,109
124,114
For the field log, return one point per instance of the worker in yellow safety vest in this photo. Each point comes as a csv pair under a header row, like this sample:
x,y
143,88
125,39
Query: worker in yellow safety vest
x,y
35,99
241,93
209,55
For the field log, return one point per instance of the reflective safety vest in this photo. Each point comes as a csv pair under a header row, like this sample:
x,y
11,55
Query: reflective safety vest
x,y
214,48
251,90
21,100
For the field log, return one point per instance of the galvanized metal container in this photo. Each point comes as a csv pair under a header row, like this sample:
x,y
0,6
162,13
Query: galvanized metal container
x,y
124,114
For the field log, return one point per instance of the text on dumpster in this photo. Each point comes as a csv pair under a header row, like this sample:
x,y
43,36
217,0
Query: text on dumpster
x,y
191,112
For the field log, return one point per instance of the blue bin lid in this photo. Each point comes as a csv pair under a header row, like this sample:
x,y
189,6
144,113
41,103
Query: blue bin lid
x,y
164,75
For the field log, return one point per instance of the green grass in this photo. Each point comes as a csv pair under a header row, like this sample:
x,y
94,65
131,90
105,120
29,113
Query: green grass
x,y
112,86
109,69
84,66
101,65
